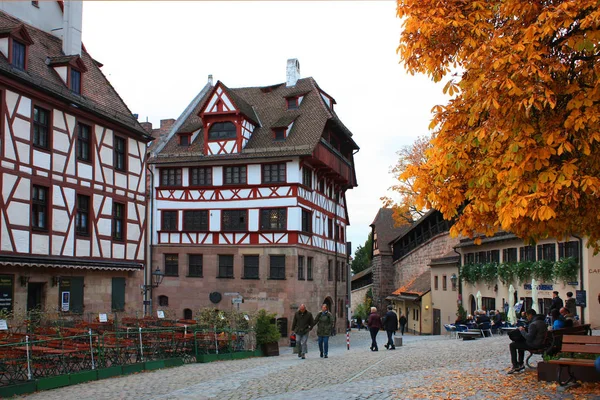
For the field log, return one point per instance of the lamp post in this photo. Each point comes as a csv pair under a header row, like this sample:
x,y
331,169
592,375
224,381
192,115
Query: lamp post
x,y
453,279
157,278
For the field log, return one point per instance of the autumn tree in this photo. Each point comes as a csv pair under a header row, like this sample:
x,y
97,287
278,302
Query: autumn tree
x,y
362,256
516,146
406,209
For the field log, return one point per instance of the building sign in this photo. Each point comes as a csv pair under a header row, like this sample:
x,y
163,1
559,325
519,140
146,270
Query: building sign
x,y
65,300
160,314
580,298
6,292
102,318
3,325
542,286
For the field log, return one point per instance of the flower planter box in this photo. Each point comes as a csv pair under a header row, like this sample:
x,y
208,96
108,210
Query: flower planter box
x,y
270,349
549,373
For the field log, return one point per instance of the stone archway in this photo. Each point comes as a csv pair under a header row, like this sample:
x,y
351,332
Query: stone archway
x,y
473,304
329,301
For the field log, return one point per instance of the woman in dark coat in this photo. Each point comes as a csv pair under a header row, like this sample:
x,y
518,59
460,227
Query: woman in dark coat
x,y
374,324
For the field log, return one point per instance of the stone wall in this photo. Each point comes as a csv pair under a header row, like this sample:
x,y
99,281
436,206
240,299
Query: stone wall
x,y
383,284
358,297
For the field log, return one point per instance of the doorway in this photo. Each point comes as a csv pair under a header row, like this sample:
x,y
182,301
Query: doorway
x,y
35,292
437,328
473,304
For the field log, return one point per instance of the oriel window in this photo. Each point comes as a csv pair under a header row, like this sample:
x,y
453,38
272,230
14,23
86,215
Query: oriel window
x,y
39,208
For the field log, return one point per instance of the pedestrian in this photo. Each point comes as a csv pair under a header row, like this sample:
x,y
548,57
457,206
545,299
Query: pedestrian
x,y
374,324
359,322
403,322
557,302
390,324
325,322
302,324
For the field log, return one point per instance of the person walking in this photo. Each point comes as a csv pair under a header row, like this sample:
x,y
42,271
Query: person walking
x,y
325,322
390,324
374,324
302,324
403,322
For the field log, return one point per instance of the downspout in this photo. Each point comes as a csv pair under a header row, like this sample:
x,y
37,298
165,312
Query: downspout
x,y
150,247
335,261
581,274
459,280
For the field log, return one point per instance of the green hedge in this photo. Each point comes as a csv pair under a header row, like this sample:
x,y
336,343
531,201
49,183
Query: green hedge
x,y
563,270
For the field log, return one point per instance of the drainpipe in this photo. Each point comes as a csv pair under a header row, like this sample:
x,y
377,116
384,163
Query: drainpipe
x,y
150,247
335,261
581,274
459,280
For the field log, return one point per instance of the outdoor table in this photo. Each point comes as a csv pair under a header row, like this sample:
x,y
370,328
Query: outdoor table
x,y
470,334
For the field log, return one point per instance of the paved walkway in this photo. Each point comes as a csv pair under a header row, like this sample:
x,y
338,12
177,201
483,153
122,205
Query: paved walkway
x,y
425,367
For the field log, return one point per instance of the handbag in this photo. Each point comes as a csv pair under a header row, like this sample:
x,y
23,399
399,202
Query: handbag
x,y
516,336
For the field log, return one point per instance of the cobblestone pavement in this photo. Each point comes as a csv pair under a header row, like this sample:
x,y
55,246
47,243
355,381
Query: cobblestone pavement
x,y
422,362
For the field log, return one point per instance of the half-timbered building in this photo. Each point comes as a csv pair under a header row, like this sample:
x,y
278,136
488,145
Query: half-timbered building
x,y
72,170
249,198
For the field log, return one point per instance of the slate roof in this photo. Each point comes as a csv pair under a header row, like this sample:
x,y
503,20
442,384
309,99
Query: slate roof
x,y
268,105
99,96
362,273
418,286
386,228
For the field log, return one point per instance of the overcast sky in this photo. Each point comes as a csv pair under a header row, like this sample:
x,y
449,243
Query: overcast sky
x,y
158,56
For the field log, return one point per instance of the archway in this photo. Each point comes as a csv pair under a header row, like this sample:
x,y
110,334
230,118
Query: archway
x,y
473,304
329,302
187,314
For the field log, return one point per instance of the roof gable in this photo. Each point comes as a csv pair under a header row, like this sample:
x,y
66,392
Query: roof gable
x,y
222,100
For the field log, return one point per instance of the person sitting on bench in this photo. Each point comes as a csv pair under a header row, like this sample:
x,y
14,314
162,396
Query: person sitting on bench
x,y
533,338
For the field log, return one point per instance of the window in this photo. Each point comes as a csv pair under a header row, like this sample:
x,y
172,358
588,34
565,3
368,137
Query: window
x,y
489,303
233,220
163,301
307,177
444,282
329,271
292,103
75,81
309,268
119,154
118,294
416,314
170,177
272,173
118,227
171,264
341,234
547,252
41,123
469,258
282,326
35,4
300,268
201,176
82,219
169,221
279,133
18,55
225,266
195,221
527,253
235,175
273,219
338,271
329,228
322,186
250,267
509,255
494,256
222,130
277,270
39,208
74,300
569,249
83,142
184,140
344,271
435,282
481,257
195,265
306,221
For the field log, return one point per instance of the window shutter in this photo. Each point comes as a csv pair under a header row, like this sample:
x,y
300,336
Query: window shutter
x,y
118,294
76,305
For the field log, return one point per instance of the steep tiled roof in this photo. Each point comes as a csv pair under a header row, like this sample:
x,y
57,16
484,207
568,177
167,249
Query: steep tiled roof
x,y
385,227
99,97
418,286
269,105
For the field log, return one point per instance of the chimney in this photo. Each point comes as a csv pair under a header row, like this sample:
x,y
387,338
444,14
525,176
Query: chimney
x,y
147,126
210,80
292,72
71,32
166,124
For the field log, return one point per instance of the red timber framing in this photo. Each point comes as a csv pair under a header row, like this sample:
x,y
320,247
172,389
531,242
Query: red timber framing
x,y
57,168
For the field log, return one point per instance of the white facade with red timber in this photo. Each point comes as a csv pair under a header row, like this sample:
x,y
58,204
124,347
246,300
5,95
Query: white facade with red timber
x,y
72,178
264,176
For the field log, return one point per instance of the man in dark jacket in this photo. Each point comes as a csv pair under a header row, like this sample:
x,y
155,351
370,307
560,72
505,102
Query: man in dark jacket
x,y
390,324
325,322
557,302
302,324
533,338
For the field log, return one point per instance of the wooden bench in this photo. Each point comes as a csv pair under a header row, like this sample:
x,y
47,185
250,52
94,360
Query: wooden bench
x,y
576,344
553,341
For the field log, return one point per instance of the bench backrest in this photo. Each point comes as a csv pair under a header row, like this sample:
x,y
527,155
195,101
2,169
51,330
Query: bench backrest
x,y
581,344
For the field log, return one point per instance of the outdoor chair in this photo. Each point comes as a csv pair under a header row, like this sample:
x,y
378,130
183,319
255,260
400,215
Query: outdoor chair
x,y
451,329
485,327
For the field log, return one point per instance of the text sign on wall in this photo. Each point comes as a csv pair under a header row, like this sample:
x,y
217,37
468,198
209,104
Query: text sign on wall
x,y
580,298
66,298
6,292
527,286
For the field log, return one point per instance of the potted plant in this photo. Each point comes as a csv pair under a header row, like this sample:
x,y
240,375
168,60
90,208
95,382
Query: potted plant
x,y
267,334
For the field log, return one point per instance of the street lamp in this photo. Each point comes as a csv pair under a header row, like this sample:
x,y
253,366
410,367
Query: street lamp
x,y
453,279
157,278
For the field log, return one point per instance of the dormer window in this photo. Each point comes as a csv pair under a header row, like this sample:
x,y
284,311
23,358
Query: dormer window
x,y
222,130
184,139
18,55
279,133
292,103
75,81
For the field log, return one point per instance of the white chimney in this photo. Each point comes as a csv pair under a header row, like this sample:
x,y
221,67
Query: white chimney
x,y
210,80
71,32
292,72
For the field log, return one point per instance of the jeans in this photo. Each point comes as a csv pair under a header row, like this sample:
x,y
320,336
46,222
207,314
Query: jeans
x,y
402,326
302,339
521,347
390,341
374,332
324,344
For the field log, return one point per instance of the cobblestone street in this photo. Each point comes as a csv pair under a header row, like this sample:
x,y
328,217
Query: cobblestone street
x,y
422,363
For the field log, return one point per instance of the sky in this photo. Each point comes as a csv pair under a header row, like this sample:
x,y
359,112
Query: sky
x,y
158,56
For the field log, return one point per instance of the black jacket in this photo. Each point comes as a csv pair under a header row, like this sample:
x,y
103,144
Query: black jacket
x,y
536,332
390,321
557,303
